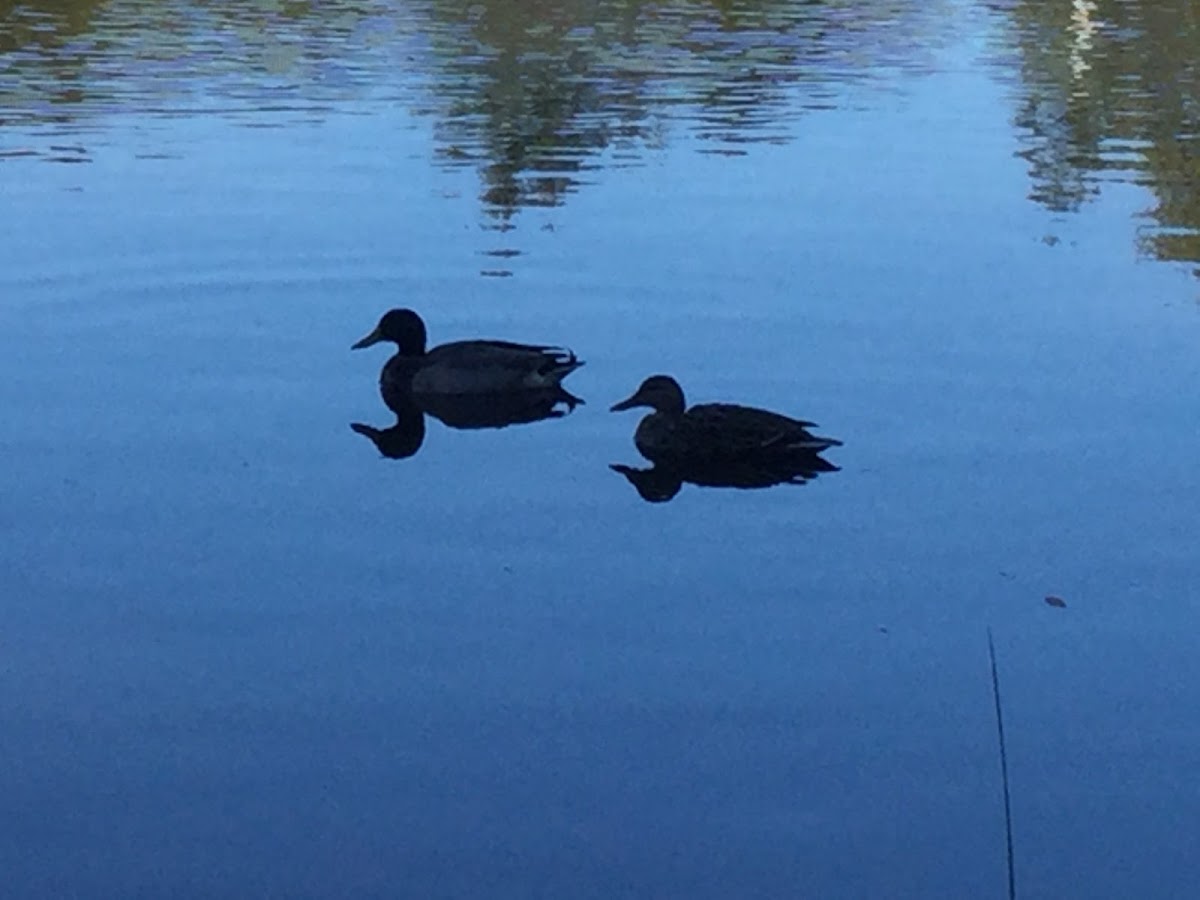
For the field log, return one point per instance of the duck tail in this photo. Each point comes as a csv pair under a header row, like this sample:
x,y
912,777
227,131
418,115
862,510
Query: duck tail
x,y
827,442
815,464
561,362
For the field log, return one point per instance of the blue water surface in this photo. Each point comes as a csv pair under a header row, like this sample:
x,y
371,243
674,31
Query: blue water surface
x,y
244,655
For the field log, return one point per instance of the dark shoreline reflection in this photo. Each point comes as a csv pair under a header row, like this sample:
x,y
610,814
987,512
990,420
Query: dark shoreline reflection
x,y
660,483
464,412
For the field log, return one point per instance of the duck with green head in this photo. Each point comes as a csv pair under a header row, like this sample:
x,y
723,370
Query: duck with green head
x,y
464,367
715,433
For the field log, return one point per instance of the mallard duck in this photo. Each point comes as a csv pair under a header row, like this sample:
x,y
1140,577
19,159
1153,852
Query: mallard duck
x,y
715,433
463,367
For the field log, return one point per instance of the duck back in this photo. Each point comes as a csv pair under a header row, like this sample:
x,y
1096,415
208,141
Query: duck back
x,y
479,367
726,432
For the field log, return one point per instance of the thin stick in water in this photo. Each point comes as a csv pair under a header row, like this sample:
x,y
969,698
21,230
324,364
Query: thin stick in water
x,y
1012,883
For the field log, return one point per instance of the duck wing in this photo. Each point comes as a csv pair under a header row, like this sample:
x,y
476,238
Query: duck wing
x,y
730,431
538,356
471,367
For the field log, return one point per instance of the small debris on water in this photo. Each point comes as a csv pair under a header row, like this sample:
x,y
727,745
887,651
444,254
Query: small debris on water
x,y
1052,600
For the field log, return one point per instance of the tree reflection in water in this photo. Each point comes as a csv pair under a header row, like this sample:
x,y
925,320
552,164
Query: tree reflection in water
x,y
535,95
1109,91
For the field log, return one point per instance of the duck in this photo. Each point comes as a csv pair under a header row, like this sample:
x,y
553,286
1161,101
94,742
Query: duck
x,y
463,367
716,434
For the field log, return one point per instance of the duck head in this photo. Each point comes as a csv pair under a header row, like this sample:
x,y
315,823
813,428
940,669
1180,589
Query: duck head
x,y
661,393
402,327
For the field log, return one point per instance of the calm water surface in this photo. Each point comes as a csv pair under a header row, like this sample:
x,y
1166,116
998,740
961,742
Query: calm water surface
x,y
245,655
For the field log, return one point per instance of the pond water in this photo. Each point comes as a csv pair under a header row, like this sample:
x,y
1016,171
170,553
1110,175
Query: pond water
x,y
245,654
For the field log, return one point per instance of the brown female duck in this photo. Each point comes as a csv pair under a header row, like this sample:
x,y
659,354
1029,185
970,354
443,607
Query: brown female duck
x,y
715,433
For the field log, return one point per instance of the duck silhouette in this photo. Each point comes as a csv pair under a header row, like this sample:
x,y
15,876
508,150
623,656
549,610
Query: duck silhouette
x,y
716,433
463,367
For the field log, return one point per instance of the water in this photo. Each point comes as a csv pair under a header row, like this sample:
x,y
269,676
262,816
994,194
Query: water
x,y
243,654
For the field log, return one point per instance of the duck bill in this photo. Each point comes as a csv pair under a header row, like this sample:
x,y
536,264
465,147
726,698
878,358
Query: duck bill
x,y
633,401
373,338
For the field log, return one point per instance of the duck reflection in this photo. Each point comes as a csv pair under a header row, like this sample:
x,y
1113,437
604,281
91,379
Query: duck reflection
x,y
717,444
661,483
461,411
